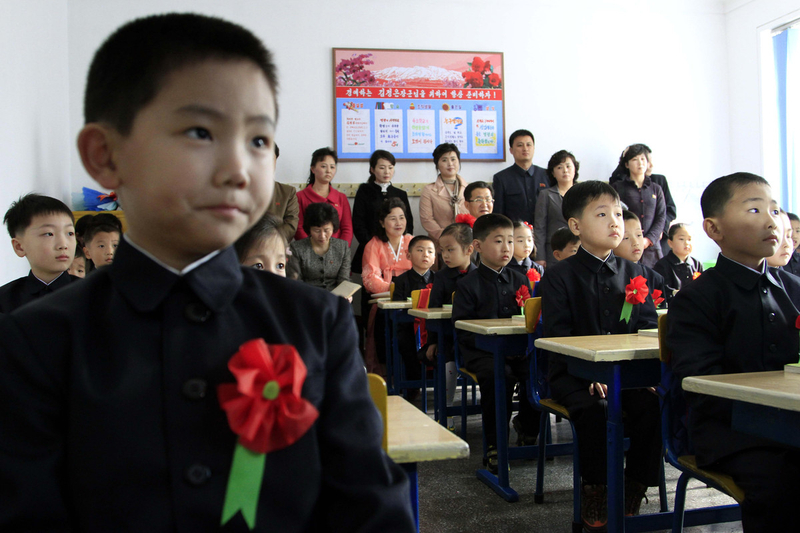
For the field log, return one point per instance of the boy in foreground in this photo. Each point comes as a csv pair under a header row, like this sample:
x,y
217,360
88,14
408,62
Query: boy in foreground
x,y
140,434
584,295
740,317
42,231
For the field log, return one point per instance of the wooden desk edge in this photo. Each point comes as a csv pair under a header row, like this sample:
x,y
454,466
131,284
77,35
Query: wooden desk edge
x,y
745,393
474,326
444,445
435,313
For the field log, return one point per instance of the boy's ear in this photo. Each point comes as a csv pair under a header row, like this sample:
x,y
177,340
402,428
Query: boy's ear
x,y
476,246
557,254
712,229
574,225
470,249
18,249
96,144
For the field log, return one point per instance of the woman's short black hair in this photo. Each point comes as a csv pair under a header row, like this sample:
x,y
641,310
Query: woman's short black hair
x,y
444,148
633,150
383,212
317,215
320,155
373,160
558,158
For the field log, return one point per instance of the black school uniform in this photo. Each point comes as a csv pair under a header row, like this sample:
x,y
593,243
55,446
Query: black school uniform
x,y
525,265
485,293
648,204
676,272
29,288
116,422
404,284
793,266
444,285
734,319
584,295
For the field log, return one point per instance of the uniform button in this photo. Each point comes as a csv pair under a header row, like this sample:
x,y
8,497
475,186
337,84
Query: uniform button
x,y
195,389
605,290
764,290
772,317
505,308
773,348
198,474
606,312
505,292
608,333
197,312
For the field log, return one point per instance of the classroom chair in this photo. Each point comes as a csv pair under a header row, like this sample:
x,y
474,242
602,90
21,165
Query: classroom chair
x,y
379,394
468,380
678,449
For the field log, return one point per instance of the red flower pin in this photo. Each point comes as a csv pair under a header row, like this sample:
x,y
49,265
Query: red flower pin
x,y
635,293
657,299
797,322
522,294
696,274
467,219
268,413
533,275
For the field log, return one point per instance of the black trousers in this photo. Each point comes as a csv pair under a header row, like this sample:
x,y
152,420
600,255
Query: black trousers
x,y
516,371
770,478
407,344
642,420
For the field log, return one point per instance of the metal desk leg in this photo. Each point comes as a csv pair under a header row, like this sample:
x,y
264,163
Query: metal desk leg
x,y
614,453
413,483
387,329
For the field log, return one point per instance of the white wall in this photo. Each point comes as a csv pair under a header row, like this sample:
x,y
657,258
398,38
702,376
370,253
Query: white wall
x,y
583,75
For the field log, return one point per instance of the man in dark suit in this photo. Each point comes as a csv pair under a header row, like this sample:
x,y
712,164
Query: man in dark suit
x,y
517,187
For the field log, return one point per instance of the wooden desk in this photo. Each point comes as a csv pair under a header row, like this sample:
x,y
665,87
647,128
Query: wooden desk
x,y
413,437
621,362
390,305
765,404
433,313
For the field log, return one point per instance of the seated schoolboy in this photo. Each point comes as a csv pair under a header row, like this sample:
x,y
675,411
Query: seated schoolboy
x,y
264,246
101,240
678,267
523,248
422,254
78,266
584,295
740,317
631,248
793,265
139,434
42,231
490,292
783,254
564,243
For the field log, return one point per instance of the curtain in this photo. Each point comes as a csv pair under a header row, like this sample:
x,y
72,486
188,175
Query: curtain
x,y
787,71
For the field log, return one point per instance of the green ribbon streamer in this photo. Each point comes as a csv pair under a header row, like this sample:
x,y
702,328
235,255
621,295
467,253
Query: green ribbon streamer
x,y
627,308
244,485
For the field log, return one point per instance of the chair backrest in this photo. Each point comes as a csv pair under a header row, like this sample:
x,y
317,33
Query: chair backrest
x,y
533,309
379,394
415,299
674,411
391,290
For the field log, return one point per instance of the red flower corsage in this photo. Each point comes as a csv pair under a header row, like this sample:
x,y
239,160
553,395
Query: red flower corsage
x,y
265,408
465,218
635,293
657,299
533,275
696,275
522,294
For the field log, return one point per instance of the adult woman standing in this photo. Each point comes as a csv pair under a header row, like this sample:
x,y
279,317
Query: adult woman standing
x,y
322,261
562,170
443,199
369,198
319,190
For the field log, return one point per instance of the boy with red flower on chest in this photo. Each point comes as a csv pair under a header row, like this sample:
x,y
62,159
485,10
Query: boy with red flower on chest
x,y
586,294
490,291
173,426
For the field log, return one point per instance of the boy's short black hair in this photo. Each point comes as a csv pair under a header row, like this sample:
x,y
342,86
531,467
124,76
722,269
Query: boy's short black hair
x,y
579,195
793,217
485,224
267,227
673,229
629,215
373,160
21,213
419,238
383,212
720,191
562,238
131,66
520,133
102,222
477,185
558,158
461,232
318,215
319,155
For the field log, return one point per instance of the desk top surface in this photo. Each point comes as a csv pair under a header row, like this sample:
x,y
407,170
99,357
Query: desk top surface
x,y
774,389
432,313
415,437
493,326
603,348
390,304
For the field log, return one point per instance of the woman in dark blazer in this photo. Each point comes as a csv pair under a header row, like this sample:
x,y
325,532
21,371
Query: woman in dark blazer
x,y
370,196
562,170
321,260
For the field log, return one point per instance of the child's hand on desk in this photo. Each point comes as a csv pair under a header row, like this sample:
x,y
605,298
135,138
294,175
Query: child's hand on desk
x,y
601,388
431,353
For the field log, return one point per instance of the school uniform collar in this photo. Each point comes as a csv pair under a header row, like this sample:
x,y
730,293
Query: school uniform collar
x,y
145,282
492,275
454,272
594,263
526,263
744,276
415,275
35,286
675,260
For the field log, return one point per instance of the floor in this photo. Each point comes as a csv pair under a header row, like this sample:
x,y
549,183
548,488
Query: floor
x,y
452,499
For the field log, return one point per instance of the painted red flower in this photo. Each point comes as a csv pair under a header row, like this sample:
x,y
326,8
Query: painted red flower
x,y
465,218
264,406
636,291
474,79
522,294
477,64
487,67
657,299
533,275
494,80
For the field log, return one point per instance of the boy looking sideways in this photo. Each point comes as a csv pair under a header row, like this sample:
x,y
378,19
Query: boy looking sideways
x,y
584,295
565,243
42,231
739,317
180,115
